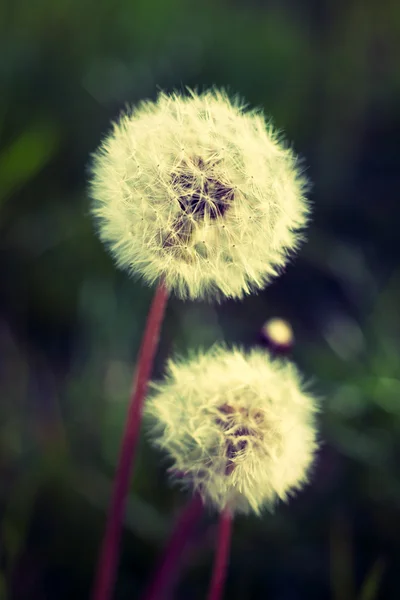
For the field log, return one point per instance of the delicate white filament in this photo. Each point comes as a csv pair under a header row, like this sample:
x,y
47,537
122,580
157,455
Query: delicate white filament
x,y
237,427
198,191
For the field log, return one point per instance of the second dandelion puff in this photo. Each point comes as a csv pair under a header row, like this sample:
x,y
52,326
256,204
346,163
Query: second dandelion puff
x,y
239,428
197,191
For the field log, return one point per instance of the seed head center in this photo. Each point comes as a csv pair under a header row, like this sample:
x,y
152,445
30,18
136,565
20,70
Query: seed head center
x,y
200,192
238,425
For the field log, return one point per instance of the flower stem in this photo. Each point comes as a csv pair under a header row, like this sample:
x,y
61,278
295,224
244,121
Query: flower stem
x,y
108,559
221,556
169,564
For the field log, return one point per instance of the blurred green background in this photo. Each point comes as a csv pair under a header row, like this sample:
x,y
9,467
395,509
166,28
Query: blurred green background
x,y
70,323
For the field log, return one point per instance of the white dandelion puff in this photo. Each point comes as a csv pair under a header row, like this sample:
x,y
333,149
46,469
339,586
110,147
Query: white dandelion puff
x,y
200,192
238,427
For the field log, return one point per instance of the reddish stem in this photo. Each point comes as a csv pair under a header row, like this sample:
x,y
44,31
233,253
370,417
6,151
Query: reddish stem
x,y
221,556
168,567
108,560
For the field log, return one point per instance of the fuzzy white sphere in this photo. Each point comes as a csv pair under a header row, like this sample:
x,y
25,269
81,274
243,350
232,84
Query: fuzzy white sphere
x,y
237,427
198,191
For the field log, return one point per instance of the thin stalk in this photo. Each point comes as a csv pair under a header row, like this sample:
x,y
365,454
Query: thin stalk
x,y
221,556
168,567
109,554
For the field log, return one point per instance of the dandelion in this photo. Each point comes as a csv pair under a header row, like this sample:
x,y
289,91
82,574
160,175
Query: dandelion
x,y
202,197
238,428
199,192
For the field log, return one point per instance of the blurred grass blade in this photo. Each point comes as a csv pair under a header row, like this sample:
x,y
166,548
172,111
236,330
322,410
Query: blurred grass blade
x,y
341,558
3,587
26,156
370,587
141,518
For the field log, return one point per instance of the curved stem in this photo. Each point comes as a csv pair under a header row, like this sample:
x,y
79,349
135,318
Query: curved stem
x,y
170,562
108,560
221,556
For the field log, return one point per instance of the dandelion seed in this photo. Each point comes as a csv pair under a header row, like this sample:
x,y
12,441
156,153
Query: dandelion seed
x,y
212,172
238,428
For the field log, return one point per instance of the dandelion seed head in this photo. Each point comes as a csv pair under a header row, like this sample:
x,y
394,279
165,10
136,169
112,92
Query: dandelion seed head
x,y
238,427
200,191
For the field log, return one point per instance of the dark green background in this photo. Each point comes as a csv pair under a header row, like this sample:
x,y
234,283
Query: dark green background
x,y
70,323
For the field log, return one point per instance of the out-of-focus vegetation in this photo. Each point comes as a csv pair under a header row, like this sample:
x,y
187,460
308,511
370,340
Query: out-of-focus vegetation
x,y
70,323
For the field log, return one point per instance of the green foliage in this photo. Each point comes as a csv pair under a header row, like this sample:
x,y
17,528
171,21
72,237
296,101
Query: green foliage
x,y
26,156
70,324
